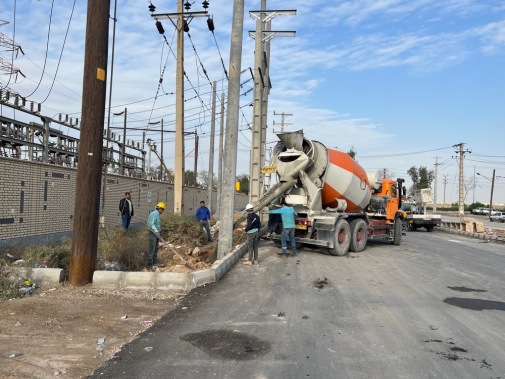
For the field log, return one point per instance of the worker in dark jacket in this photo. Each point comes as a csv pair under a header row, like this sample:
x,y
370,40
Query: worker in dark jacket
x,y
203,216
126,209
252,229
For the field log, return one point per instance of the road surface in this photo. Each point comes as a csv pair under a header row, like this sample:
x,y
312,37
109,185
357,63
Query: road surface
x,y
433,307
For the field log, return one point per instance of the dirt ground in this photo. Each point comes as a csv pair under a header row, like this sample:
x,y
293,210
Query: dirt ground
x,y
56,331
69,332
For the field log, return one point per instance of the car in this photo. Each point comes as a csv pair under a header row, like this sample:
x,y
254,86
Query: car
x,y
477,211
498,217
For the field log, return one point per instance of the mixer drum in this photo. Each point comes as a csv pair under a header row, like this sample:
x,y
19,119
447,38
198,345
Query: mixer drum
x,y
345,179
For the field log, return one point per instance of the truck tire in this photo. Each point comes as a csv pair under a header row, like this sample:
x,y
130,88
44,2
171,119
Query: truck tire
x,y
429,228
397,237
359,235
342,238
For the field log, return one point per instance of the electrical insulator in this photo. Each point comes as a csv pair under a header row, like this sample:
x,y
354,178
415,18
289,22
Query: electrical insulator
x,y
210,24
186,26
160,27
151,7
205,4
187,5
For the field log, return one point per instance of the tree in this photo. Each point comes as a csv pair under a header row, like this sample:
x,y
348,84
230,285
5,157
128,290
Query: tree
x,y
243,179
421,178
468,185
203,177
189,179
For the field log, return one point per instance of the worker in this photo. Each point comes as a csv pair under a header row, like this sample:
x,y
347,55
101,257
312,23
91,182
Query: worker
x,y
203,216
154,234
126,209
288,227
252,229
273,219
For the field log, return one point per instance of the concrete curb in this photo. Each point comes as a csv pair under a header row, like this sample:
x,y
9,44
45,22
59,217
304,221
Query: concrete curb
x,y
480,236
42,277
170,281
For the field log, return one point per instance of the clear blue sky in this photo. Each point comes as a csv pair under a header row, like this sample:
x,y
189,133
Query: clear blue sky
x,y
399,81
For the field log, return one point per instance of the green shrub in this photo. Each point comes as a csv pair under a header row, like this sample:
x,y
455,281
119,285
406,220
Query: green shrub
x,y
182,230
128,249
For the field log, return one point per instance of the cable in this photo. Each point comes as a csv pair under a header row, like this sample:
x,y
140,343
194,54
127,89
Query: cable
x,y
47,49
61,53
401,154
210,24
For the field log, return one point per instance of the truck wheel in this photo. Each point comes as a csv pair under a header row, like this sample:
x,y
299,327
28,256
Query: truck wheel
x,y
359,235
397,237
429,228
342,238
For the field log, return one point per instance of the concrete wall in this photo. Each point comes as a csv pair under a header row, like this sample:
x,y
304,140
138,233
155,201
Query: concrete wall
x,y
37,200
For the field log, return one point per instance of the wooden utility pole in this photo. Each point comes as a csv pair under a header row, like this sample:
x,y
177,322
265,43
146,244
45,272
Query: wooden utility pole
x,y
227,205
89,171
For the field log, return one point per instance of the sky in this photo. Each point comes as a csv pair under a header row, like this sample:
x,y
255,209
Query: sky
x,y
402,83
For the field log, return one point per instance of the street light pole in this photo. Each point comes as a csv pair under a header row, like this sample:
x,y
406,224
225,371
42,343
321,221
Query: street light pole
x,y
492,189
491,199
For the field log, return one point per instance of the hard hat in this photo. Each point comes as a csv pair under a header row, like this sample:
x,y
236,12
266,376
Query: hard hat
x,y
249,206
161,205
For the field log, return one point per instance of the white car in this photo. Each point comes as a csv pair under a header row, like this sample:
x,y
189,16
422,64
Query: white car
x,y
498,217
477,211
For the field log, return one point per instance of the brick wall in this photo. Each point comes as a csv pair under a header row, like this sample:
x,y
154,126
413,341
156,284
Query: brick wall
x,y
37,199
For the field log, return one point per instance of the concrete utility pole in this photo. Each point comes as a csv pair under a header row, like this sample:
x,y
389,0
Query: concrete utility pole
x,y
283,123
227,205
211,152
89,171
195,167
220,170
435,188
179,172
445,186
123,145
461,153
491,199
262,36
259,65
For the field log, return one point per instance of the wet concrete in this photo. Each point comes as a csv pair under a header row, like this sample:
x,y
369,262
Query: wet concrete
x,y
465,289
228,344
475,304
321,283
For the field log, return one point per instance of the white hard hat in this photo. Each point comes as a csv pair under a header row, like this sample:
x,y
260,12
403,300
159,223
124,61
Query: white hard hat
x,y
249,206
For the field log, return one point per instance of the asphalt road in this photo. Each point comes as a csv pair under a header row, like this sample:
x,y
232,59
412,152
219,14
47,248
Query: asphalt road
x,y
433,307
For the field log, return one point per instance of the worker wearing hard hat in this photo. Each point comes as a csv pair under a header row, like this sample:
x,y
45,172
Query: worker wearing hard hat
x,y
154,227
252,228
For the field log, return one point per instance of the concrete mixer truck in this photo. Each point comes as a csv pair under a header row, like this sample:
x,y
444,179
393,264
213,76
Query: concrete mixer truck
x,y
339,205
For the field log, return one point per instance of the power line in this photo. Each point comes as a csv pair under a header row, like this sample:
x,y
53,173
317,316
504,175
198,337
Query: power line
x,y
61,53
47,49
402,154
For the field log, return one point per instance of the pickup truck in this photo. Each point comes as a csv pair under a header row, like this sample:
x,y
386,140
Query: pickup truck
x,y
428,221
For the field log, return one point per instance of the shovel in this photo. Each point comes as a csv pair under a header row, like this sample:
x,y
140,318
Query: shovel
x,y
188,265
